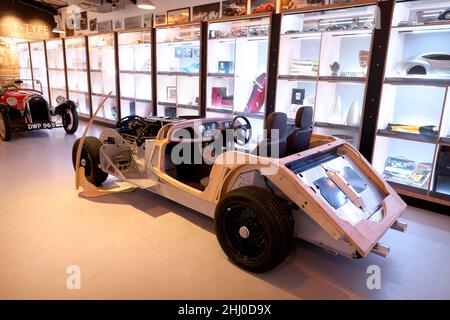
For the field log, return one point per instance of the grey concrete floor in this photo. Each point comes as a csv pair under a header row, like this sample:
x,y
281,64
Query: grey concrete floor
x,y
142,246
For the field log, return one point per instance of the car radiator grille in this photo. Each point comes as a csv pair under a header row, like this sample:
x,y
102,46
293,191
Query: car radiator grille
x,y
38,109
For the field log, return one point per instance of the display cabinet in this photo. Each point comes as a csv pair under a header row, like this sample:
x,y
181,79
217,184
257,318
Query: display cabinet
x,y
24,58
56,70
39,66
237,68
77,74
102,59
135,74
411,147
323,62
178,66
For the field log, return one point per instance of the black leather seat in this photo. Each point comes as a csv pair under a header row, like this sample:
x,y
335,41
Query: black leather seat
x,y
274,145
298,140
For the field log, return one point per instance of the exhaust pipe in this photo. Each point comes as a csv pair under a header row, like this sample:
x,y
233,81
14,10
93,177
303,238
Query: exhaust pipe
x,y
380,250
399,225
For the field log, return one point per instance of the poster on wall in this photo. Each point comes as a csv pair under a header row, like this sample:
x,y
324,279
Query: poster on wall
x,y
133,22
104,26
296,4
9,61
182,15
160,19
231,8
118,24
258,6
206,12
93,24
148,20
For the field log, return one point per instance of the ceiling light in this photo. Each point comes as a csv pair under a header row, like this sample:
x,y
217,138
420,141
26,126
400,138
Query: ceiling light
x,y
145,4
58,28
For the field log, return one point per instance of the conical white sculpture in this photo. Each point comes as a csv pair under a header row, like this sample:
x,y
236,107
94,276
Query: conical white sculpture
x,y
335,113
353,115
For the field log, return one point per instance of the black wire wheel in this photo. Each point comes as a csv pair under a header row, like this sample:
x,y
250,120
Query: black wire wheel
x,y
253,228
5,126
90,160
70,119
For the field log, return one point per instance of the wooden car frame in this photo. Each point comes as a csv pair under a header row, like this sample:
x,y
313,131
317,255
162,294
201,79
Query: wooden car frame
x,y
279,198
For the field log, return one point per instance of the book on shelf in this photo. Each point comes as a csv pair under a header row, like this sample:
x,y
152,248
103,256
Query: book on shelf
x,y
304,67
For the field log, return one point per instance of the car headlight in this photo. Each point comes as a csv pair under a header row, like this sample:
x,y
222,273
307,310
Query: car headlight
x,y
60,99
11,101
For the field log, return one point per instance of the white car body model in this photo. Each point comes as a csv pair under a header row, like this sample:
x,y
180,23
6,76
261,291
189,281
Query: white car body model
x,y
434,64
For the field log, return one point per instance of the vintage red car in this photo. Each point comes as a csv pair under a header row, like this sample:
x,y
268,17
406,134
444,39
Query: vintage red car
x,y
24,108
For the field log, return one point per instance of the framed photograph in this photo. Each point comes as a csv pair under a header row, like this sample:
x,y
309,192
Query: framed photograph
x,y
105,26
118,24
172,94
83,20
231,8
148,20
93,24
206,12
160,19
133,22
258,6
225,66
182,15
296,4
298,95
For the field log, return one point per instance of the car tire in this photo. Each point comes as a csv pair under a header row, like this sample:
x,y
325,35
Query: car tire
x,y
5,126
70,119
417,70
253,228
90,160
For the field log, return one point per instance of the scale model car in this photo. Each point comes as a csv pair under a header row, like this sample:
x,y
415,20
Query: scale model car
x,y
23,108
317,188
429,64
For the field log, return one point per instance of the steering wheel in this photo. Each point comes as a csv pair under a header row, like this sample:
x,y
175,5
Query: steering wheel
x,y
242,132
124,123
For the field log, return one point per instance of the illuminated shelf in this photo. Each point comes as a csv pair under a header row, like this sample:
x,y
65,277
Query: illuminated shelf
x,y
256,115
168,104
187,106
221,75
408,136
135,72
297,78
178,73
336,126
75,69
438,26
183,42
406,81
219,110
342,79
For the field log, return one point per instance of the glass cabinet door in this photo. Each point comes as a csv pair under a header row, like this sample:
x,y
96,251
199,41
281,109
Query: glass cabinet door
x,y
103,75
323,63
56,70
39,65
178,64
77,74
135,73
411,146
23,52
237,69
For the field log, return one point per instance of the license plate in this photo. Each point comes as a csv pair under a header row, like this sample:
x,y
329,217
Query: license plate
x,y
42,125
